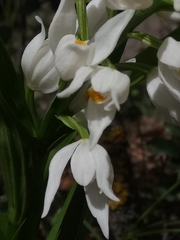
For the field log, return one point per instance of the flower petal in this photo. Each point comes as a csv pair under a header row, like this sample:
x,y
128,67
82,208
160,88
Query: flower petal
x,y
110,80
170,80
56,169
177,5
82,164
104,171
50,82
169,16
70,57
31,49
169,52
106,38
81,76
128,4
96,8
44,77
98,206
63,23
162,98
98,120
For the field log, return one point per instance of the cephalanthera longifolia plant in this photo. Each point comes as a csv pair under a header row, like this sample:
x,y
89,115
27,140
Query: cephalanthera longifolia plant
x,y
79,60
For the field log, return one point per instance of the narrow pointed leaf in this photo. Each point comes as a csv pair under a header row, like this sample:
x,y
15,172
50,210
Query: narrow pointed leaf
x,y
73,124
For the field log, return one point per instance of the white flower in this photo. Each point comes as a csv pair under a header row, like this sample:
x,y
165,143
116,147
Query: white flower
x,y
169,65
38,64
163,85
72,53
162,99
109,88
128,4
177,5
91,169
170,16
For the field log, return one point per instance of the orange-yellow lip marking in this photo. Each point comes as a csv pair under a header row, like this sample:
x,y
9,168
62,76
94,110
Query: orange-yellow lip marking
x,y
96,96
78,41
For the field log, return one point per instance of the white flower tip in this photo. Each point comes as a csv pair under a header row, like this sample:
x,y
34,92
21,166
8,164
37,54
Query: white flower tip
x,y
38,19
44,213
116,199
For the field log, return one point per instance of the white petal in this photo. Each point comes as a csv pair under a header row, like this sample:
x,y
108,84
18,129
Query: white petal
x,y
128,4
106,38
104,171
50,82
101,79
98,206
70,57
98,120
169,52
82,164
120,88
63,23
31,49
113,81
81,76
56,169
177,5
162,98
96,8
44,77
170,80
169,16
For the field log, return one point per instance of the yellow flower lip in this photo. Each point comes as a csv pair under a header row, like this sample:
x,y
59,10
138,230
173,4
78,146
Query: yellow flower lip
x,y
95,96
78,41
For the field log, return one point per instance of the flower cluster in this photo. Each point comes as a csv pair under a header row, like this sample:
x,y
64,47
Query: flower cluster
x,y
96,87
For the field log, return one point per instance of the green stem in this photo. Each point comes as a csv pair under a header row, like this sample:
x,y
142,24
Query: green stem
x,y
107,63
130,66
146,38
139,17
111,13
82,19
29,95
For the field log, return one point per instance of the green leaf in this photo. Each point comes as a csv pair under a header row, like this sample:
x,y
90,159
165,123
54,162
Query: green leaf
x,y
8,77
16,161
69,221
73,124
30,224
12,99
3,224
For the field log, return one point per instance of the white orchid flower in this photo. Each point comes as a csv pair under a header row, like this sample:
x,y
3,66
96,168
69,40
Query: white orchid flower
x,y
128,4
72,53
163,84
92,170
177,5
169,65
38,64
38,58
162,99
109,88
